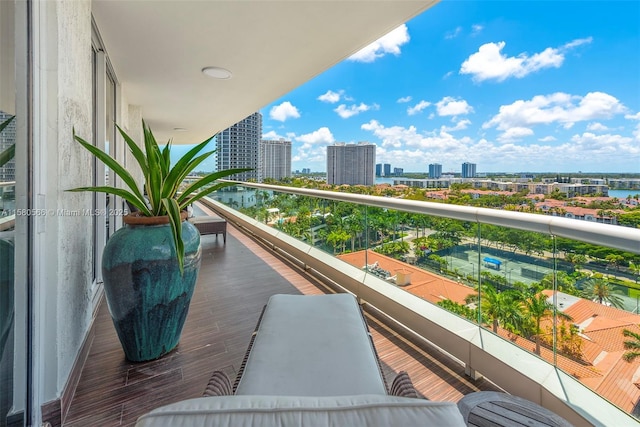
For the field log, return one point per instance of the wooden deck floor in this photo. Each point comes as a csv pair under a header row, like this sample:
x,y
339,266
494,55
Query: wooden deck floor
x,y
234,284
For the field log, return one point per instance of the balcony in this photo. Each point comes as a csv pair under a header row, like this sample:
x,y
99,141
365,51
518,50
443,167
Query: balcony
x,y
446,355
235,282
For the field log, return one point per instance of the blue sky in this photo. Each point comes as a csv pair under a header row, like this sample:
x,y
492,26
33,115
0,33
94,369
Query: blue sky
x,y
511,86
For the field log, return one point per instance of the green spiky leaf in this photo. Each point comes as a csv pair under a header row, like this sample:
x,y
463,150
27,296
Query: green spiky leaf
x,y
161,181
6,123
173,212
7,155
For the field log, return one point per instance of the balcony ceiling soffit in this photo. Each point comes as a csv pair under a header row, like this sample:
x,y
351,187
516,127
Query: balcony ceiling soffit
x,y
158,48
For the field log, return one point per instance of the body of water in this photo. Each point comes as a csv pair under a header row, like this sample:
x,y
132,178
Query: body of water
x,y
382,180
623,194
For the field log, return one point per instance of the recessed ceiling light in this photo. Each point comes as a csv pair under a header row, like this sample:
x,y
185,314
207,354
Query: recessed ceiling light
x,y
217,73
180,129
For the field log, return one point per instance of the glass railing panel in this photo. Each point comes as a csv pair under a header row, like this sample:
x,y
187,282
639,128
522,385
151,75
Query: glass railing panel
x,y
430,257
598,320
518,271
566,302
249,201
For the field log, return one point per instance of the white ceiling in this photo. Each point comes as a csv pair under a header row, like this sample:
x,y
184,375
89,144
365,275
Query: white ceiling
x,y
158,48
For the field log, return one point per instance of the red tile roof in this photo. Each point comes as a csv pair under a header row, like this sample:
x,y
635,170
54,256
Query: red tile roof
x,y
603,369
429,286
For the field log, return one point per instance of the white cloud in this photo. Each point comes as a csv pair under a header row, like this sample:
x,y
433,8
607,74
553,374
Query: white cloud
x,y
476,29
596,127
604,145
272,134
514,134
489,63
576,42
413,149
398,136
394,136
556,108
636,132
453,34
320,136
446,76
331,97
459,125
548,138
418,107
314,146
352,110
449,106
404,99
389,43
283,112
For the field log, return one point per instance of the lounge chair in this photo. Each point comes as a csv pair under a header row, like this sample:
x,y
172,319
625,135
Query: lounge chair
x,y
311,361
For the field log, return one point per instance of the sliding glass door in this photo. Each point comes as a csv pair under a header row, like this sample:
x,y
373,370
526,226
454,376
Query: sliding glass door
x,y
13,222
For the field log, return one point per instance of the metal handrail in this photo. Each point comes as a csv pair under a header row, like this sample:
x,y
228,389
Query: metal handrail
x,y
613,236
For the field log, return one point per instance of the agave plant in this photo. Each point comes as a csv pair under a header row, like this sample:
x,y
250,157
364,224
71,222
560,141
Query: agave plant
x,y
7,154
161,181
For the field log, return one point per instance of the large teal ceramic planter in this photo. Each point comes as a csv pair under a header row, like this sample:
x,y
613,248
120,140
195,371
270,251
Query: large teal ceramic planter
x,y
148,298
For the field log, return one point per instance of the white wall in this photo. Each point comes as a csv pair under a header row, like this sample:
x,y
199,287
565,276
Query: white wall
x,y
71,166
131,123
62,269
63,247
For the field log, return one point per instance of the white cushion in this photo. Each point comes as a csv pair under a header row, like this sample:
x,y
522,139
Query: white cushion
x,y
325,411
312,345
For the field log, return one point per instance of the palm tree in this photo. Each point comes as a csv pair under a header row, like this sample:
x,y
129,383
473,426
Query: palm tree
x,y
600,290
632,345
337,238
614,260
354,226
502,308
566,283
635,269
538,307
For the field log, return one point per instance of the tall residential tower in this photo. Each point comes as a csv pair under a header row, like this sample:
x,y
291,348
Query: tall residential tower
x,y
352,164
468,170
276,159
435,170
239,147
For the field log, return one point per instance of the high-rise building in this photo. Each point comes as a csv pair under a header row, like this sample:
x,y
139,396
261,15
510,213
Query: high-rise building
x,y
378,169
7,139
468,170
239,147
276,159
435,170
398,171
351,164
387,169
